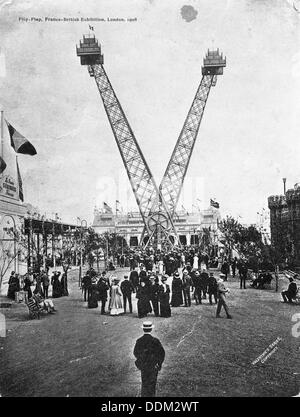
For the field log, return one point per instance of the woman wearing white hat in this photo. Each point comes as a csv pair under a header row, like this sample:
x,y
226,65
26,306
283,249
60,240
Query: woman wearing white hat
x,y
115,303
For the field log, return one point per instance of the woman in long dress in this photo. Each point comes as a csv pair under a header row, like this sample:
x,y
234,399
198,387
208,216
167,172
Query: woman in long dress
x,y
64,285
13,285
115,303
196,262
143,297
160,267
56,287
177,287
164,297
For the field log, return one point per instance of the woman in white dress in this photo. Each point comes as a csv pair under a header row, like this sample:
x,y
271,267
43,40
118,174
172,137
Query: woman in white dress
x,y
160,267
196,262
115,304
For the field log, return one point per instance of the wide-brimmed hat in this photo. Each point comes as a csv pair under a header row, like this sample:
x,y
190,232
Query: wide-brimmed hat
x,y
147,326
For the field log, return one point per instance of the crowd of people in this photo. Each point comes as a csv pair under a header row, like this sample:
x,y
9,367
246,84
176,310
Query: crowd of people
x,y
159,282
38,283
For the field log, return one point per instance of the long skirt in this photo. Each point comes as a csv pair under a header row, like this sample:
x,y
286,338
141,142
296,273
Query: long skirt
x,y
143,307
165,310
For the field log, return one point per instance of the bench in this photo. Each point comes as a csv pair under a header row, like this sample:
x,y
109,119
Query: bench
x,y
34,309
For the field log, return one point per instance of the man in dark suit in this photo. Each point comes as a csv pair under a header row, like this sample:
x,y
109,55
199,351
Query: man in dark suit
x,y
127,289
290,293
102,289
243,275
212,288
134,278
195,275
86,284
150,355
186,283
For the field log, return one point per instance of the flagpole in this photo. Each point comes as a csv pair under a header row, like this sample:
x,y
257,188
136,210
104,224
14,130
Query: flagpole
x,y
2,135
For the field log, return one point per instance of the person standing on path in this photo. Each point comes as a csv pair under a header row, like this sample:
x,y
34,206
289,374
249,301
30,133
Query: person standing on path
x,y
186,283
212,288
243,275
127,289
153,294
102,289
222,290
164,298
134,278
225,269
46,283
150,355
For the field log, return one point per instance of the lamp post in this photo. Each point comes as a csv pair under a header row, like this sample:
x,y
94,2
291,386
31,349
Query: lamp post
x,y
82,223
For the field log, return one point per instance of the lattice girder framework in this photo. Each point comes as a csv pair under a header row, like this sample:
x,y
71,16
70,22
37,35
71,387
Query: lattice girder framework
x,y
173,178
142,182
157,205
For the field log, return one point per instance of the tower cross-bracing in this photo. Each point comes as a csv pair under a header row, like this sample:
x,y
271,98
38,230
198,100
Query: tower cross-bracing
x,y
156,204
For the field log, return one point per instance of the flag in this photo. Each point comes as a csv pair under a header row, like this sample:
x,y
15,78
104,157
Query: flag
x,y
19,143
106,207
21,195
2,165
214,204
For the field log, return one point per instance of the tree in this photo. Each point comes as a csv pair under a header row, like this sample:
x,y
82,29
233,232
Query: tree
x,y
205,239
231,232
7,257
93,245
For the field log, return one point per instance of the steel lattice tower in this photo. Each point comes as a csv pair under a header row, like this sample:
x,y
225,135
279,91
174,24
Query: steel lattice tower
x,y
156,204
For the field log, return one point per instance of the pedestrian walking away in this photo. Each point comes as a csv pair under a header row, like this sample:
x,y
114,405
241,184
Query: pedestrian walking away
x,y
150,356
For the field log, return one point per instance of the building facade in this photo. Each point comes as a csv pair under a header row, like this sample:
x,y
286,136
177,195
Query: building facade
x,y
285,223
188,225
12,213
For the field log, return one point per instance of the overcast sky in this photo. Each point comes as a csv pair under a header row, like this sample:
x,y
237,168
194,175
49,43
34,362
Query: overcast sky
x,y
249,136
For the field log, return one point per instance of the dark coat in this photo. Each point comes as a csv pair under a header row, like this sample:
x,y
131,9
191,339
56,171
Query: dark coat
x,y
149,352
102,289
212,287
177,299
225,268
134,278
186,282
143,304
127,287
154,291
204,280
164,301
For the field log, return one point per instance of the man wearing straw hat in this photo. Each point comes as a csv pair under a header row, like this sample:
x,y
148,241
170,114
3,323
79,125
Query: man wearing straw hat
x,y
222,290
150,355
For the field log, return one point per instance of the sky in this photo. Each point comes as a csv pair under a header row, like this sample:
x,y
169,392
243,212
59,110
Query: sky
x,y
249,135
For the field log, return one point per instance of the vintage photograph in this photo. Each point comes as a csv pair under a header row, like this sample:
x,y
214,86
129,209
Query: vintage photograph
x,y
149,200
